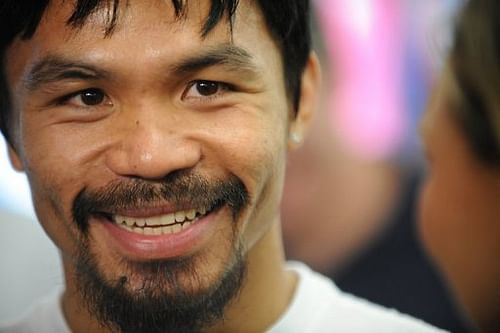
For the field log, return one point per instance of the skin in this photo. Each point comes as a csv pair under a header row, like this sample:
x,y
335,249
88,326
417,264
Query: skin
x,y
153,122
459,210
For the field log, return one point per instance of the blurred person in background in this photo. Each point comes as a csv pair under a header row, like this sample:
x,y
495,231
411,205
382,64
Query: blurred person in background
x,y
348,206
460,201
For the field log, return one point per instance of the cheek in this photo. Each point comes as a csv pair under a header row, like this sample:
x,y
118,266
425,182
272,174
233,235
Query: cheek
x,y
53,208
255,152
51,165
252,143
258,159
447,219
50,161
436,217
62,154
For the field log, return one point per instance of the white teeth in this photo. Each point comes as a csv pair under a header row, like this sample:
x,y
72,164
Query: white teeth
x,y
166,230
176,228
191,214
126,220
159,225
137,230
186,225
157,231
180,216
167,219
153,221
148,231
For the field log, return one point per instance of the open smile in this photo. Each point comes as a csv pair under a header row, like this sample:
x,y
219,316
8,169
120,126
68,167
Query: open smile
x,y
145,234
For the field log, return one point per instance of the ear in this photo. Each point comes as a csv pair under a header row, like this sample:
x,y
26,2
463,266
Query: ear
x,y
14,158
309,96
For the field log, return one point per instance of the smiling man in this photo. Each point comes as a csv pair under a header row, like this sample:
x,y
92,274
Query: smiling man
x,y
154,136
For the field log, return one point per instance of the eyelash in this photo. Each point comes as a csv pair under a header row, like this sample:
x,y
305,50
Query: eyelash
x,y
66,98
222,87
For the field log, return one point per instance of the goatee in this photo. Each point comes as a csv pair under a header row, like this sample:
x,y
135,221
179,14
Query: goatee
x,y
162,302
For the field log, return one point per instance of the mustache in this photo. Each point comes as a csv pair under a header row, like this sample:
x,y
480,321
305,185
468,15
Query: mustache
x,y
180,189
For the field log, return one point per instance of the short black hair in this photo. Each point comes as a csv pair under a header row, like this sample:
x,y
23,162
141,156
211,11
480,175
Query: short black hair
x,y
475,64
287,20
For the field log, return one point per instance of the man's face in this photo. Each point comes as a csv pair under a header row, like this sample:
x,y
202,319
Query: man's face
x,y
459,210
121,136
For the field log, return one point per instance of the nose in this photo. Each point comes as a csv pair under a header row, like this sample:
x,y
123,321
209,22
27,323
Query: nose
x,y
148,150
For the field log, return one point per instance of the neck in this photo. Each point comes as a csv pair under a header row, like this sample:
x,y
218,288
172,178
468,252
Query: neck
x,y
264,296
268,289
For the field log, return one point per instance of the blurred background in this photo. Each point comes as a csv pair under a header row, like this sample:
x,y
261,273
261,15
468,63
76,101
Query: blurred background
x,y
349,202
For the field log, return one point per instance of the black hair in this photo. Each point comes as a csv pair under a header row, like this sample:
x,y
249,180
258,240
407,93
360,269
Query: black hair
x,y
475,62
287,20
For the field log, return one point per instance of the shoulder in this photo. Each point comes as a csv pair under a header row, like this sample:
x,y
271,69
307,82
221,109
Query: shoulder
x,y
45,316
319,306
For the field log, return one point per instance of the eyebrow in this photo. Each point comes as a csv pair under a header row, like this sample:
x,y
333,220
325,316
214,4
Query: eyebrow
x,y
233,57
55,68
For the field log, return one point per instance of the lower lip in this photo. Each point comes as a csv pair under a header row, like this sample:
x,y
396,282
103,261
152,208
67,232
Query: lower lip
x,y
167,246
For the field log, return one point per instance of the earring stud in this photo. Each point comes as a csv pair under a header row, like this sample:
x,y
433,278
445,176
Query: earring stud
x,y
295,137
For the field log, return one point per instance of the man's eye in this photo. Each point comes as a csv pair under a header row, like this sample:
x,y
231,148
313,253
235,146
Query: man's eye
x,y
203,88
88,97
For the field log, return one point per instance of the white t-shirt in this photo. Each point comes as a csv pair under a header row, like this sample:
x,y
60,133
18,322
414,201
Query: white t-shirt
x,y
45,316
318,306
